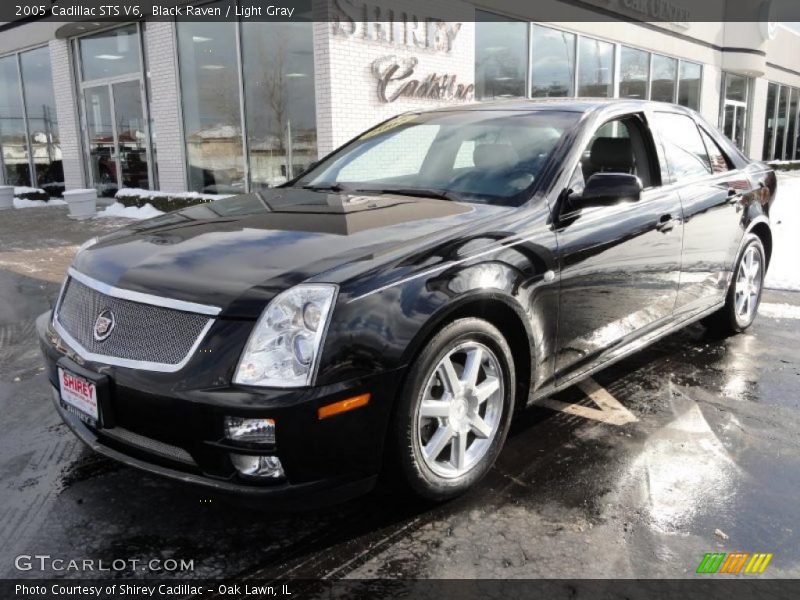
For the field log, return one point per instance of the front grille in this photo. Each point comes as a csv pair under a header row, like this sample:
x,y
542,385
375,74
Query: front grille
x,y
142,332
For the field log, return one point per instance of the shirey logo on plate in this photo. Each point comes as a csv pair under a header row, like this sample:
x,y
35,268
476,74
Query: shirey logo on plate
x,y
104,325
734,563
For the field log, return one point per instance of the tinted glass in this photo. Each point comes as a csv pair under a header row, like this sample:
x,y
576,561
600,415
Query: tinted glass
x,y
781,121
211,107
634,68
280,113
501,57
110,53
12,125
790,132
719,163
689,85
37,81
487,157
596,68
686,154
553,68
769,121
735,87
665,70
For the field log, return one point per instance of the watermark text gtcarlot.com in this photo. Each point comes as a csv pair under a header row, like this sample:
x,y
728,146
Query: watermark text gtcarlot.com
x,y
48,563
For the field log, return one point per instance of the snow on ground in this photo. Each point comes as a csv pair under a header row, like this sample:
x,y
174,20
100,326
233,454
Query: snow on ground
x,y
779,310
24,189
130,212
144,194
25,203
784,268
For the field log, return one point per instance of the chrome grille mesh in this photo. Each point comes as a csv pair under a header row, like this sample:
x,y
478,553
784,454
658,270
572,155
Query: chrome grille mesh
x,y
142,332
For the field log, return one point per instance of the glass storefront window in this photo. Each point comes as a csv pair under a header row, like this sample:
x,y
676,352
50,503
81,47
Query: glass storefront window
x,y
553,68
12,125
501,57
634,66
781,121
280,113
595,68
769,121
40,107
689,85
665,71
734,108
209,77
793,123
110,53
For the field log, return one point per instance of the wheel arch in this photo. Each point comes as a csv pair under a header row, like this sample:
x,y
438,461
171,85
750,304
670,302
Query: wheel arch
x,y
761,229
501,312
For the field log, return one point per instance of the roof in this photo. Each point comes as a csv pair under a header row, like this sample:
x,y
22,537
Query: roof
x,y
560,104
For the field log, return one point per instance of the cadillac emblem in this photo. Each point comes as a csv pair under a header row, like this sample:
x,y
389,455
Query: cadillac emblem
x,y
104,325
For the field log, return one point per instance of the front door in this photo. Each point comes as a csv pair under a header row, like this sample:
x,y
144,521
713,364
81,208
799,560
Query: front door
x,y
620,264
117,136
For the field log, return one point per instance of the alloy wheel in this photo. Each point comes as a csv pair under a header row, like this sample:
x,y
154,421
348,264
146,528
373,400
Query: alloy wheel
x,y
748,285
460,409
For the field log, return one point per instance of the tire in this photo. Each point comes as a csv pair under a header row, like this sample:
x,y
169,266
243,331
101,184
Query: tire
x,y
447,429
744,293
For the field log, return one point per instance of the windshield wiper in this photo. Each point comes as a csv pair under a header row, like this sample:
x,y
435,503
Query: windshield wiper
x,y
331,187
440,194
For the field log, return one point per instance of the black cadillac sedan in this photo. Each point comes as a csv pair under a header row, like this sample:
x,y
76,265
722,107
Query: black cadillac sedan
x,y
393,306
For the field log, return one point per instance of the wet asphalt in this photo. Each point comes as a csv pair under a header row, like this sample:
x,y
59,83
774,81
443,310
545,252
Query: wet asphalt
x,y
711,463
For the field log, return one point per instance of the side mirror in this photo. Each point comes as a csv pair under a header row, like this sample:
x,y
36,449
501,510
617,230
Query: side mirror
x,y
604,189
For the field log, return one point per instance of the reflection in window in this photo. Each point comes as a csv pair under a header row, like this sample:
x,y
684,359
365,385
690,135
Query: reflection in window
x,y
719,162
689,85
12,125
40,106
211,107
634,68
665,71
278,62
553,68
595,68
110,53
501,57
769,121
684,148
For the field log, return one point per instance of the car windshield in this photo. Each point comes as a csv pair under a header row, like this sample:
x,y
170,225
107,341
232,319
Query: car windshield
x,y
492,157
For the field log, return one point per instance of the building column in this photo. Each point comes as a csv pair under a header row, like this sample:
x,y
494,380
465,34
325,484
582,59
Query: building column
x,y
165,109
69,129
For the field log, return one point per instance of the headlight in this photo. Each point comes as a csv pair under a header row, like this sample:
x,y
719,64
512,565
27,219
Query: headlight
x,y
283,348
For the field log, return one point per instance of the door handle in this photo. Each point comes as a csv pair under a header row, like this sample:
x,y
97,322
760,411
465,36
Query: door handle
x,y
665,223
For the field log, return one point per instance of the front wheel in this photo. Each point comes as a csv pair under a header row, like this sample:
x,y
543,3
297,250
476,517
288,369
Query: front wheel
x,y
744,293
453,416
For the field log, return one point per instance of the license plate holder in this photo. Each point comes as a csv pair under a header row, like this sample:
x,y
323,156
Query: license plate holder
x,y
81,393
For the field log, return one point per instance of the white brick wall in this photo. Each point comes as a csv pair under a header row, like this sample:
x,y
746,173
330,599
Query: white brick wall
x,y
162,56
67,112
346,89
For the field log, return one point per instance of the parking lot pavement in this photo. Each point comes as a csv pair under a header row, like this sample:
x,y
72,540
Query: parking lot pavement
x,y
688,447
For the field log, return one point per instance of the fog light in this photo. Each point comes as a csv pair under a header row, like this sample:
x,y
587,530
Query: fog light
x,y
267,467
250,431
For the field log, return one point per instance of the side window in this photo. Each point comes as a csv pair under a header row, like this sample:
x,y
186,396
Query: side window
x,y
619,146
683,146
719,162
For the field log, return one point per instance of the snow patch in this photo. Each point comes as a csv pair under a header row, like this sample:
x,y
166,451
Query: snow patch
x,y
25,203
784,270
23,189
779,311
117,210
149,194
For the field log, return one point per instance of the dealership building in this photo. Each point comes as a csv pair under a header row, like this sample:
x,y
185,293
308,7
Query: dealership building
x,y
238,105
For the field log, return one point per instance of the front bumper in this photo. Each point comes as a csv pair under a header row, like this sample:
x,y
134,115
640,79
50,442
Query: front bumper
x,y
176,431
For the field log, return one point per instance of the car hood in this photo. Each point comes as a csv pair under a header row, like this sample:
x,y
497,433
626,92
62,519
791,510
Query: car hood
x,y
237,253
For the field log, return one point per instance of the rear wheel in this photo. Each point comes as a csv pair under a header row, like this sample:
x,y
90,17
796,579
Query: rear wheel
x,y
744,293
456,407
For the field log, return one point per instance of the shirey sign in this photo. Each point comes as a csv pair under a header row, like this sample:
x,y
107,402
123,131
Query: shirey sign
x,y
397,75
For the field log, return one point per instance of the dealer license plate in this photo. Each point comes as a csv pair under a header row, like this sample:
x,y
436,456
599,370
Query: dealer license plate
x,y
78,396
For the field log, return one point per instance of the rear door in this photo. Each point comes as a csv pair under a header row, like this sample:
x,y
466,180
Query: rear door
x,y
711,193
620,264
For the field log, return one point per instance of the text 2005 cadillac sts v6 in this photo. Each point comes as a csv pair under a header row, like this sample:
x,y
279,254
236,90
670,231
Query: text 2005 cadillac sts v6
x,y
396,303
